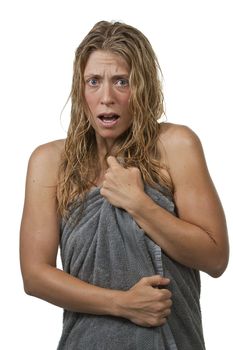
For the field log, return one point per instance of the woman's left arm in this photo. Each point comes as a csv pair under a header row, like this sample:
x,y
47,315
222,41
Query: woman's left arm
x,y
197,238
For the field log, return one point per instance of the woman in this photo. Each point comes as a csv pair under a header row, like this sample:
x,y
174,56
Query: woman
x,y
131,204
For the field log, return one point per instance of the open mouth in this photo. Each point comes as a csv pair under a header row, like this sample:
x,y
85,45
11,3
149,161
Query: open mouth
x,y
108,118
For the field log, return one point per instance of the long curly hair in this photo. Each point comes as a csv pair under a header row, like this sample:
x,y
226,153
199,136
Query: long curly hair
x,y
138,145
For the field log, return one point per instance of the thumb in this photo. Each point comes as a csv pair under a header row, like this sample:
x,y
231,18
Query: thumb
x,y
113,162
157,280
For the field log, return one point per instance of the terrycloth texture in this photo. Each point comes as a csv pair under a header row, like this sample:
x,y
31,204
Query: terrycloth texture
x,y
108,249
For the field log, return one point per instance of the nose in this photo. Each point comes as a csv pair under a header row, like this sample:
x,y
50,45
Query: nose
x,y
107,94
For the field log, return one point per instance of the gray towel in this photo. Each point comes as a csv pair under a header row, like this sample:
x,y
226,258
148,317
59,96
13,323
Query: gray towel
x,y
108,249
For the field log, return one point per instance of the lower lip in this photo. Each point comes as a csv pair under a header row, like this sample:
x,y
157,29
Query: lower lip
x,y
108,124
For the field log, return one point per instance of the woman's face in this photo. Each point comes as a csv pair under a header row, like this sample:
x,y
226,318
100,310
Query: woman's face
x,y
107,94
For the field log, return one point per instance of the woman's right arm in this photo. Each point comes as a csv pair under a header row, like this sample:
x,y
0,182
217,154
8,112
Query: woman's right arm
x,y
39,241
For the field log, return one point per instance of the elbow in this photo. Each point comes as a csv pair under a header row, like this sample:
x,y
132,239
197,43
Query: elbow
x,y
216,273
217,259
29,285
218,267
28,291
36,280
33,282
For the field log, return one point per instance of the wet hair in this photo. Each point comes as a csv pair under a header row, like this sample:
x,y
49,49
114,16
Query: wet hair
x,y
138,145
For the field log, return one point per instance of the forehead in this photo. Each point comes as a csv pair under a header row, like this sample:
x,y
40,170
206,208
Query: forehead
x,y
101,60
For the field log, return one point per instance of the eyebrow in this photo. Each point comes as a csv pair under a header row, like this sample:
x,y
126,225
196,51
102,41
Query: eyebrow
x,y
98,76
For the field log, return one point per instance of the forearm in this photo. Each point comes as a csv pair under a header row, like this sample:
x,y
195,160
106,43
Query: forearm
x,y
62,289
142,304
186,243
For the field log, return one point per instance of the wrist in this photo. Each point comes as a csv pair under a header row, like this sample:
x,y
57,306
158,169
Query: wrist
x,y
118,303
135,205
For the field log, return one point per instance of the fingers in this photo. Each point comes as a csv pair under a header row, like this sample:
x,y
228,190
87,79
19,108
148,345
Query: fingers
x,y
155,281
113,162
149,306
158,281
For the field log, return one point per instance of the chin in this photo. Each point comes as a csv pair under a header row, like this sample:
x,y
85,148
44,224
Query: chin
x,y
108,137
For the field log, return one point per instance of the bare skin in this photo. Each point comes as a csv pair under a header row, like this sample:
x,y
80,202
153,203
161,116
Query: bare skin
x,y
142,304
201,218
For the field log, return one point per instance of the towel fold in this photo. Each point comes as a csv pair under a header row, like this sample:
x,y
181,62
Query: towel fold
x,y
108,249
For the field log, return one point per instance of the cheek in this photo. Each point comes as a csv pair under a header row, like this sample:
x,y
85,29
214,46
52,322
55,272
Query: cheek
x,y
128,97
125,101
90,100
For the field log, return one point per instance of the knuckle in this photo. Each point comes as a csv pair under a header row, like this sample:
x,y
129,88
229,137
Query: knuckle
x,y
107,175
143,280
153,321
166,293
135,170
160,307
163,321
170,303
161,295
102,191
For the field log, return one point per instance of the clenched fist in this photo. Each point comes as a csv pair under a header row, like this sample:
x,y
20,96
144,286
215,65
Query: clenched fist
x,y
121,186
145,304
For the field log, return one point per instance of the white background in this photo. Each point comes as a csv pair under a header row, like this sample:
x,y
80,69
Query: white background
x,y
193,42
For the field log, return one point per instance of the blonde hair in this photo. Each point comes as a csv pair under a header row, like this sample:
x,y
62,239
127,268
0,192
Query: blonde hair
x,y
138,146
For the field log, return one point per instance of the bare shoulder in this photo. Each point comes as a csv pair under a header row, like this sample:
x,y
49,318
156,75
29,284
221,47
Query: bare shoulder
x,y
51,150
180,149
177,140
45,160
176,135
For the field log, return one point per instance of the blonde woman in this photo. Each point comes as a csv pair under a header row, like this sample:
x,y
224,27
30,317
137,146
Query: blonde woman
x,y
129,201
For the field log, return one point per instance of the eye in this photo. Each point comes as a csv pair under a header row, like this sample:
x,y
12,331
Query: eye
x,y
92,82
122,82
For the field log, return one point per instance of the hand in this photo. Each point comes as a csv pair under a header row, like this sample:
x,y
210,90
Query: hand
x,y
145,304
121,186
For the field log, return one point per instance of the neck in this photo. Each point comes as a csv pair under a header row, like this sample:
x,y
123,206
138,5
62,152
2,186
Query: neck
x,y
104,146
